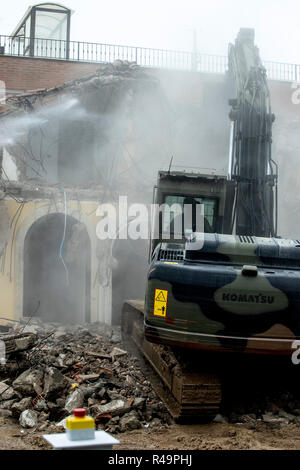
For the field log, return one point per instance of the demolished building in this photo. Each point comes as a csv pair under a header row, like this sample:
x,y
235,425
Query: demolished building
x,y
65,150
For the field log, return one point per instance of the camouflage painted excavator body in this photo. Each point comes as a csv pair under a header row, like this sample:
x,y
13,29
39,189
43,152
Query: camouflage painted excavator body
x,y
225,293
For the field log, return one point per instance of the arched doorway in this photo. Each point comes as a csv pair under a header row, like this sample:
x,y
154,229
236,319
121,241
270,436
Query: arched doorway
x,y
57,270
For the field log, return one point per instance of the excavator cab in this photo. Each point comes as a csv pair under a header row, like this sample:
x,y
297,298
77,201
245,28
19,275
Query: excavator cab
x,y
187,203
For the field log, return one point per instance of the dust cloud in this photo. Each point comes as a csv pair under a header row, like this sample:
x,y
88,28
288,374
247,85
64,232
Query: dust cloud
x,y
117,137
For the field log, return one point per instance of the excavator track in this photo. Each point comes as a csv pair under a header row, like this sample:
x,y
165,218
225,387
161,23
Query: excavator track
x,y
182,379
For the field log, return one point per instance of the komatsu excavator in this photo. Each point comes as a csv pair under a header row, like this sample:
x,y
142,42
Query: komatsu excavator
x,y
234,287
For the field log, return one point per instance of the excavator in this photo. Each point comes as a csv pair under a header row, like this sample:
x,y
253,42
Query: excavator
x,y
232,287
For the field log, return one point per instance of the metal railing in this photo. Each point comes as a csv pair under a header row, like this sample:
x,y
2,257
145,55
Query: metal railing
x,y
145,57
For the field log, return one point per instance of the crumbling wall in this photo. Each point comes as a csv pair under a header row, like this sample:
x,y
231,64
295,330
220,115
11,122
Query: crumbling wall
x,y
114,130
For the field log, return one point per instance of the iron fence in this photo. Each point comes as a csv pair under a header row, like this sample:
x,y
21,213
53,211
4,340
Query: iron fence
x,y
145,57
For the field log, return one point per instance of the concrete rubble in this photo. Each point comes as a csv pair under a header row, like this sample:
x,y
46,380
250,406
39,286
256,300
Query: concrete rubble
x,y
28,419
275,412
78,366
88,366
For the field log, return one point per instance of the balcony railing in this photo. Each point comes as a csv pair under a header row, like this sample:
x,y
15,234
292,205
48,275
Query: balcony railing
x,y
145,57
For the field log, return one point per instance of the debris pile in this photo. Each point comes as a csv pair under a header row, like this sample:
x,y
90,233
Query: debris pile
x,y
264,391
78,366
274,412
52,369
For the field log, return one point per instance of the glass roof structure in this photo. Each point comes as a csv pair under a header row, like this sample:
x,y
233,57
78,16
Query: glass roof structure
x,y
45,26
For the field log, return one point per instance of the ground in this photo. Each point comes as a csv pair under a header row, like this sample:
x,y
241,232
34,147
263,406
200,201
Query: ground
x,y
213,436
260,408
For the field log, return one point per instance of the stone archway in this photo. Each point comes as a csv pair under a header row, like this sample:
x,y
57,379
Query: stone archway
x,y
57,270
100,295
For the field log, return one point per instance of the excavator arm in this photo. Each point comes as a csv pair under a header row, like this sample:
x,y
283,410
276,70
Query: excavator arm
x,y
252,172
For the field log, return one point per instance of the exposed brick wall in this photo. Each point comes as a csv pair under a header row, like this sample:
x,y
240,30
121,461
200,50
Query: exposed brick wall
x,y
24,74
27,74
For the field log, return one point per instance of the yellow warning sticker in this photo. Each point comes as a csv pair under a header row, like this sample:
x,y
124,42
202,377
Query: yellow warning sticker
x,y
160,302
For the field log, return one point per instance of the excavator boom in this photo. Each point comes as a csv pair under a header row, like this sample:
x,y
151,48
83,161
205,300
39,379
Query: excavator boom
x,y
251,167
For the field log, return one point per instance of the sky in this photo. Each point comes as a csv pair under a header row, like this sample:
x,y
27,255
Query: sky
x,y
169,24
